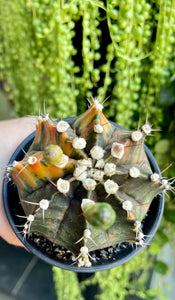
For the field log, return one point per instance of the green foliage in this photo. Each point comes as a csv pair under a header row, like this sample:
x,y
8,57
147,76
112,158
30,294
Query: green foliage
x,y
164,152
66,285
160,239
169,215
164,149
156,293
61,52
167,94
161,267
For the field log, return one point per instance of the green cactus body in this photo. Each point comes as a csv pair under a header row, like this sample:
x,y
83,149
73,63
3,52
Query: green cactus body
x,y
86,158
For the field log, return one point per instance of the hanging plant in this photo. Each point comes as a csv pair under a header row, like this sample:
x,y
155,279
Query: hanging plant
x,y
66,51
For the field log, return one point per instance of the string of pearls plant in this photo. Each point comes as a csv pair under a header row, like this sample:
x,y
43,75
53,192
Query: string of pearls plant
x,y
63,51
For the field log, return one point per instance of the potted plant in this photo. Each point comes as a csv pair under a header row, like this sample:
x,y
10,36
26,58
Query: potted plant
x,y
90,192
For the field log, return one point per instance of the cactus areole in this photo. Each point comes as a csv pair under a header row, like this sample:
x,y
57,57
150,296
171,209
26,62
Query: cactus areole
x,y
87,189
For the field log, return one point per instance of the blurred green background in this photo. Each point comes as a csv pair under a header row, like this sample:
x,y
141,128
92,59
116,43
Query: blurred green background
x,y
61,52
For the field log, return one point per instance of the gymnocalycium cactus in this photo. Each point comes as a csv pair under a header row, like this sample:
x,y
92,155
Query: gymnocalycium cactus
x,y
85,184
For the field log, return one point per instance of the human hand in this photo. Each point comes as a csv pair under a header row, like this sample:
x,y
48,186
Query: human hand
x,y
12,133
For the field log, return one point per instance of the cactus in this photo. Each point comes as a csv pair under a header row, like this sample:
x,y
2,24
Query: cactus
x,y
86,184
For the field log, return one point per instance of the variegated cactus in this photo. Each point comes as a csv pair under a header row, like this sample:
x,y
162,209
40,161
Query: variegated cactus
x,y
86,184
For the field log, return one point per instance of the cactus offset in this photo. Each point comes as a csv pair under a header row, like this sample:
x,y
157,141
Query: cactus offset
x,y
86,184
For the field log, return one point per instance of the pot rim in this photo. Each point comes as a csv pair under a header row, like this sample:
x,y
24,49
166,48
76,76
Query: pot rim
x,y
156,208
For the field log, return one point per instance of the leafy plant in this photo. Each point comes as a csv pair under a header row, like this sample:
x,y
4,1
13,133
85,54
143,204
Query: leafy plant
x,y
68,50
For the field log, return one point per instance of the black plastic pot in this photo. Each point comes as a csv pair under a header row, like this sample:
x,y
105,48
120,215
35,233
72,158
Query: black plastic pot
x,y
124,253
